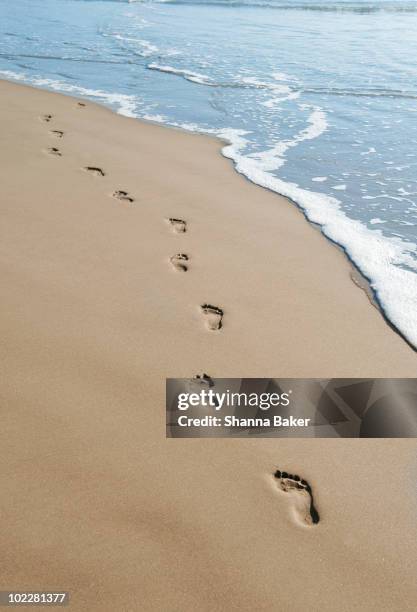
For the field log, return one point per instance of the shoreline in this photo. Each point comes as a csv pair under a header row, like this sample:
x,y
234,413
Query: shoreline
x,y
357,276
297,213
364,282
97,313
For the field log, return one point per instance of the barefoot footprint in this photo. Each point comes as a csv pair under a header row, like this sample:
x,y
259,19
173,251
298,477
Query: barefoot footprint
x,y
178,225
302,496
203,380
214,316
46,118
178,261
57,133
123,195
94,170
81,104
194,385
54,151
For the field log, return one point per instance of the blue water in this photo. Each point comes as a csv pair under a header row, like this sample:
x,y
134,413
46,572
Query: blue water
x,y
317,100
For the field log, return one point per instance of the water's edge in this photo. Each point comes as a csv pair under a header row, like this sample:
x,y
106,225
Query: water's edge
x,y
357,277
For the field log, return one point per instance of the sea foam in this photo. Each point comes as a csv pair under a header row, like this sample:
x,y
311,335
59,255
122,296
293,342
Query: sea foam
x,y
123,104
385,261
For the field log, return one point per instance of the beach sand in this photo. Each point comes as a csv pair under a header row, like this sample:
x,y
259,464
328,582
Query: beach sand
x,y
95,316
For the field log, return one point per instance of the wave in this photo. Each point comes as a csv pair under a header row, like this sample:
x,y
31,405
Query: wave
x,y
195,77
388,263
147,48
345,6
139,46
123,103
280,91
61,58
283,91
376,92
272,159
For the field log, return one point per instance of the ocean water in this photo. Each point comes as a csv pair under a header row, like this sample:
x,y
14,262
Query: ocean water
x,y
316,100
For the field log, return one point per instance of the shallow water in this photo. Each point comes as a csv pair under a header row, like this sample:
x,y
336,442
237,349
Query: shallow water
x,y
317,99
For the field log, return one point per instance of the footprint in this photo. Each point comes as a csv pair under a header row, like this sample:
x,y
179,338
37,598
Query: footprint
x,y
200,381
214,316
95,171
178,225
46,118
301,493
57,133
81,104
122,195
203,380
178,261
54,151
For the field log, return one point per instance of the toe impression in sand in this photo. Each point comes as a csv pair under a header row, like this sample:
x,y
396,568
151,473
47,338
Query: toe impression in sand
x,y
119,194
179,262
54,151
213,315
301,496
95,170
178,225
203,379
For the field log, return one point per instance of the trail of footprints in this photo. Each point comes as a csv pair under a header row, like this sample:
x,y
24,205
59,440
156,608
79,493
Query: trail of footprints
x,y
180,261
297,488
212,315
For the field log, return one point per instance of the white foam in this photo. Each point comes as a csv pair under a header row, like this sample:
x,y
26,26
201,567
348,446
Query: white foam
x,y
281,92
145,48
195,77
273,158
125,104
382,259
319,179
154,118
281,76
376,220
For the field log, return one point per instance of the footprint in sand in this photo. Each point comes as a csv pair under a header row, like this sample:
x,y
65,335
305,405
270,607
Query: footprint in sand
x,y
301,495
214,316
204,380
81,104
57,133
178,225
95,171
122,195
200,381
179,262
54,151
46,118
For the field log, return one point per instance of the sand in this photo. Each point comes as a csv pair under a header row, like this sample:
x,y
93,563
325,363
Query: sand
x,y
95,315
